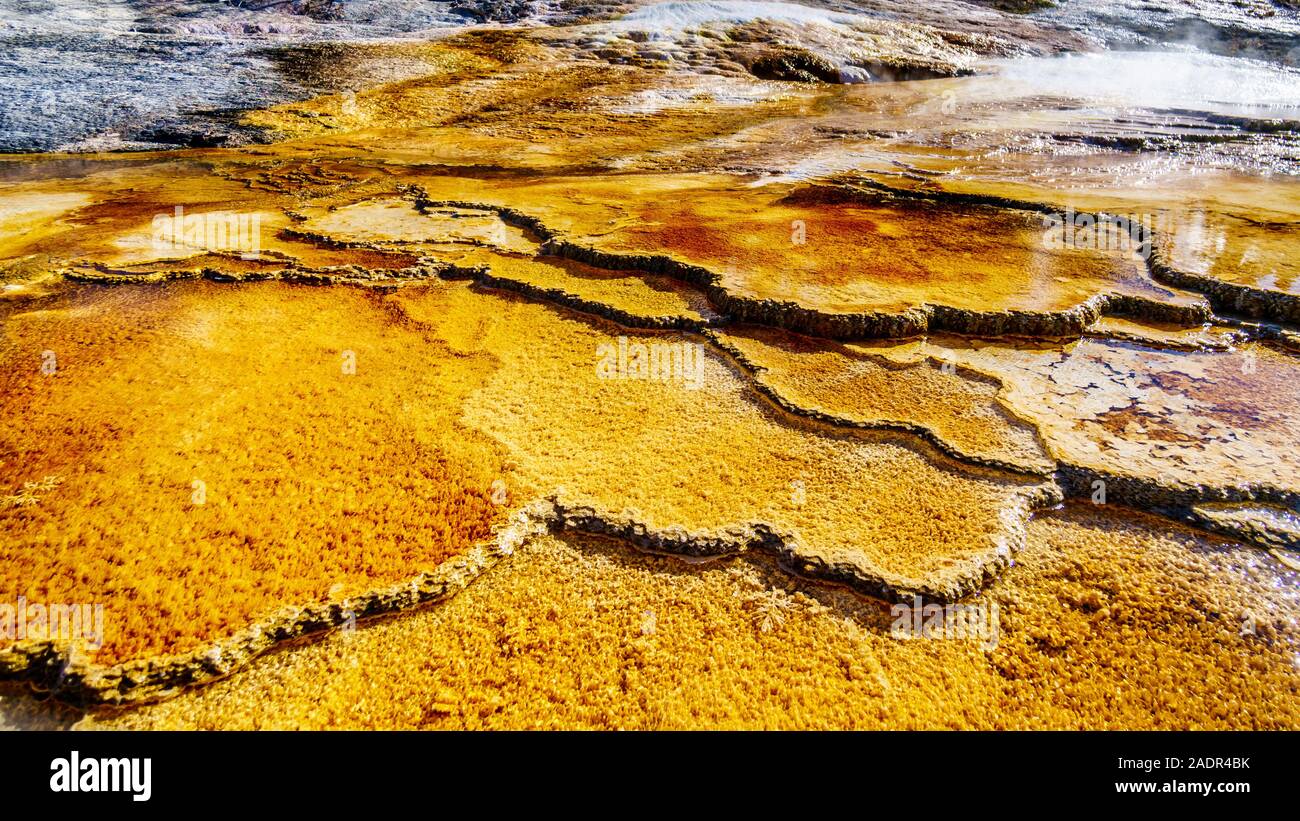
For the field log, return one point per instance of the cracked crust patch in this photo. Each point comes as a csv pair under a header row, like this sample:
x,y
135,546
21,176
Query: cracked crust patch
x,y
1184,419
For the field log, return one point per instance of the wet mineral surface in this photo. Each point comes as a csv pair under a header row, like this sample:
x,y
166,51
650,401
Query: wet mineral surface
x,y
652,365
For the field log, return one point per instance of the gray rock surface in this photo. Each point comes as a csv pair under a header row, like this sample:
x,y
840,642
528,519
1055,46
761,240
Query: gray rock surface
x,y
79,75
122,74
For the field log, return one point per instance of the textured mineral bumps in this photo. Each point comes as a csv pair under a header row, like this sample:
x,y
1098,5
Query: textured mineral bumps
x,y
1111,621
305,443
222,451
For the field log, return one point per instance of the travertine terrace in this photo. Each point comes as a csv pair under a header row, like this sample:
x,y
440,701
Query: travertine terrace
x,y
630,367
